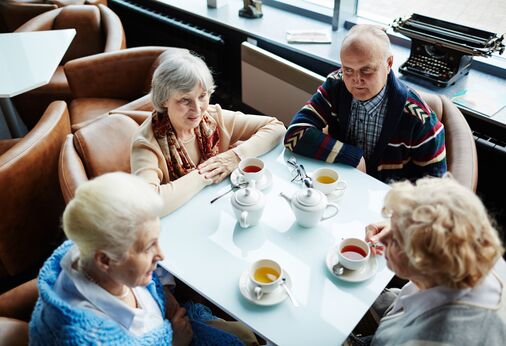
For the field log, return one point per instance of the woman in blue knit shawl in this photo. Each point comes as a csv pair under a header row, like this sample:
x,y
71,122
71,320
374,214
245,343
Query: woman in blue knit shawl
x,y
102,286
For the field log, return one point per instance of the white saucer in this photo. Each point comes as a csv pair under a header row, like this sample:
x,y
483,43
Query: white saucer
x,y
362,274
266,181
267,299
335,195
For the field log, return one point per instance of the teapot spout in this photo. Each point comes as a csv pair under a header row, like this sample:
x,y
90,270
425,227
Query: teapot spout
x,y
288,199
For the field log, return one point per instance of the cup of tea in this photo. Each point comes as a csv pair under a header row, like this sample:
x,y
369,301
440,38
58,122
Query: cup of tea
x,y
327,180
251,169
353,253
265,277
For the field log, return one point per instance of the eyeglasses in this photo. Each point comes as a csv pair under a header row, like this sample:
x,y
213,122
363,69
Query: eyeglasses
x,y
295,170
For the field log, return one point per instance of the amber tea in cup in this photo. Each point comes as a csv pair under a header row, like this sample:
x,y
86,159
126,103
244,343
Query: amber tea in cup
x,y
265,274
327,180
265,277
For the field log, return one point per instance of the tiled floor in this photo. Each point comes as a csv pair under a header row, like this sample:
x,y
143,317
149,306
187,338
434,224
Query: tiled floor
x,y
489,15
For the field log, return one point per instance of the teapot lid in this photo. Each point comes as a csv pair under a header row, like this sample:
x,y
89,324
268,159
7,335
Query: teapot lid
x,y
309,197
248,196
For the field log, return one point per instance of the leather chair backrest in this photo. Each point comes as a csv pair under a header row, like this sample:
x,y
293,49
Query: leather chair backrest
x,y
15,14
31,201
99,147
461,156
90,38
98,28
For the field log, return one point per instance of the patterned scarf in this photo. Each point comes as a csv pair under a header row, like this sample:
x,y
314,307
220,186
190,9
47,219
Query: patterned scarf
x,y
178,161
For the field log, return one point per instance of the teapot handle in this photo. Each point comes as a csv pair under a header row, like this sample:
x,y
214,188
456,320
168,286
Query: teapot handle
x,y
336,210
242,219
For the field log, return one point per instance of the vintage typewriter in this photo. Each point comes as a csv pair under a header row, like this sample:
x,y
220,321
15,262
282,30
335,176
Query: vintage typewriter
x,y
442,52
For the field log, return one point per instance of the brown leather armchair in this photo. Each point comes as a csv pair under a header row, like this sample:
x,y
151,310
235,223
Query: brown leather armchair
x,y
13,14
99,30
461,154
113,81
103,145
16,307
31,201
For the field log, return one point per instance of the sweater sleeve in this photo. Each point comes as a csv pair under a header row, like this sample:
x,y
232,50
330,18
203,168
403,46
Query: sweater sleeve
x,y
145,164
251,135
428,150
305,134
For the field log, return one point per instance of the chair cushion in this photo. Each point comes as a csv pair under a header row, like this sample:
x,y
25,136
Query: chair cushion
x,y
104,145
85,109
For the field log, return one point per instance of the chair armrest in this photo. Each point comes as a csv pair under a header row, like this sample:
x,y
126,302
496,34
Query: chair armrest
x,y
103,75
42,22
19,302
141,104
71,171
115,39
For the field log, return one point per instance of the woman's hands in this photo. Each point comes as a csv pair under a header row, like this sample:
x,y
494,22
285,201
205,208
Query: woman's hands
x,y
374,233
220,166
182,328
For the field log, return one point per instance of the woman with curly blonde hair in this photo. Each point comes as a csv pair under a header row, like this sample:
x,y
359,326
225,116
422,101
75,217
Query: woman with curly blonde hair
x,y
440,238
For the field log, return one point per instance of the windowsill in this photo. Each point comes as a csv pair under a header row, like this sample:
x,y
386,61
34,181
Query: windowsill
x,y
272,27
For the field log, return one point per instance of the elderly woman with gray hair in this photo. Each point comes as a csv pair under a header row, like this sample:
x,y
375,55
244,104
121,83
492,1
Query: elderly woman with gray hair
x,y
440,238
100,287
186,143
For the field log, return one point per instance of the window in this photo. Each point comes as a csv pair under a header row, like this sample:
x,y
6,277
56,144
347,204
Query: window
x,y
486,15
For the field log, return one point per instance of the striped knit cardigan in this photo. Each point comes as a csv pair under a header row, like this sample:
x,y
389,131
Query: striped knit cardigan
x,y
411,143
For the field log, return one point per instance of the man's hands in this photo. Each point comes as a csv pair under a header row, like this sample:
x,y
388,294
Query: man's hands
x,y
361,165
220,166
374,233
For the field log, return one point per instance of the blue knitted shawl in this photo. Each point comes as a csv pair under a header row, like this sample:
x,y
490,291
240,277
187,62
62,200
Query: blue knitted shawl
x,y
55,322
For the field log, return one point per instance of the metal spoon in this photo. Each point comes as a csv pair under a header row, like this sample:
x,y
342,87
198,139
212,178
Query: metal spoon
x,y
232,187
289,292
308,182
338,269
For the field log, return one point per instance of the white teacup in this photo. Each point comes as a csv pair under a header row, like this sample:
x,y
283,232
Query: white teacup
x,y
327,180
353,253
252,169
265,277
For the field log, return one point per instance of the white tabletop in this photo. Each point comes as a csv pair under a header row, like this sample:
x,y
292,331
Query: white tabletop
x,y
29,59
205,248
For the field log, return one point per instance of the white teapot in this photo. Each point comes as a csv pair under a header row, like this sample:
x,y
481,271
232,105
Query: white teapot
x,y
309,206
248,204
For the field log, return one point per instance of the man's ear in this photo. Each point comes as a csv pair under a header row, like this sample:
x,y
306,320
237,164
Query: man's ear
x,y
390,62
102,261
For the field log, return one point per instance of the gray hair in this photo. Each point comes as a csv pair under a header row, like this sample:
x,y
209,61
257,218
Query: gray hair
x,y
363,32
179,72
108,213
446,232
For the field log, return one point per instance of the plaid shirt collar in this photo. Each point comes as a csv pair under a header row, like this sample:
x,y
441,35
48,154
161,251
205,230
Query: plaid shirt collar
x,y
371,106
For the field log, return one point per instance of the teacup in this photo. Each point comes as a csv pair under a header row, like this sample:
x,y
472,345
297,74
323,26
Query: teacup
x,y
265,277
327,180
252,169
353,253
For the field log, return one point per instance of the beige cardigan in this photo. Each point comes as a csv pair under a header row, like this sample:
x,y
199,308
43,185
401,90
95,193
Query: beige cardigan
x,y
257,134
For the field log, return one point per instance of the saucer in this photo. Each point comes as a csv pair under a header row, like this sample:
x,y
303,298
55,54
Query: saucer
x,y
267,299
367,271
335,195
266,181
